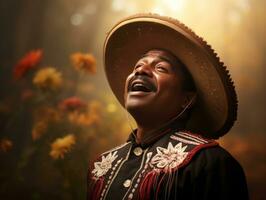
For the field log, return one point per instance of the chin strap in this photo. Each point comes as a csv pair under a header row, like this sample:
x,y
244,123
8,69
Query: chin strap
x,y
192,100
190,103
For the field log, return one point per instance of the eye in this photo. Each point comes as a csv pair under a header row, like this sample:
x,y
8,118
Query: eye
x,y
138,65
161,68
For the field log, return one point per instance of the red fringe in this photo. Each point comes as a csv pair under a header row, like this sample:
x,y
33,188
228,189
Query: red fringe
x,y
95,189
159,186
153,181
147,184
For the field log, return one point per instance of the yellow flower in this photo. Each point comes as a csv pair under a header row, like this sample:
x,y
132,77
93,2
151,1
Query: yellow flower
x,y
39,129
95,107
48,79
84,62
82,119
5,145
43,117
45,113
61,146
111,108
87,118
51,115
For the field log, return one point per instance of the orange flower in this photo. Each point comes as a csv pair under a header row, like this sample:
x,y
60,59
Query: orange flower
x,y
84,62
26,63
72,103
5,145
39,129
83,119
87,118
61,146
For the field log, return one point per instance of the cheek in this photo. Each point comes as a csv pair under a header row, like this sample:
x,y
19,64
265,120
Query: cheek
x,y
172,85
171,91
128,79
126,84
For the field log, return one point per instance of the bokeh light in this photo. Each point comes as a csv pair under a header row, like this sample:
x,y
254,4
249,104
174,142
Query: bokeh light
x,y
33,123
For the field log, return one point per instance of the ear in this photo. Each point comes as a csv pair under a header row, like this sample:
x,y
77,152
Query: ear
x,y
189,100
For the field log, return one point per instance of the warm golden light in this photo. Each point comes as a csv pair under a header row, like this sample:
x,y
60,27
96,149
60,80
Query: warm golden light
x,y
40,105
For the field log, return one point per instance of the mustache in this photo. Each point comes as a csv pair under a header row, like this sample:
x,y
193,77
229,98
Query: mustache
x,y
146,80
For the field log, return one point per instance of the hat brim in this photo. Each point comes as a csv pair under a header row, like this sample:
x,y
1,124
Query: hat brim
x,y
216,108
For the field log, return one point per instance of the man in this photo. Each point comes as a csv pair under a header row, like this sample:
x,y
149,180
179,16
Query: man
x,y
182,98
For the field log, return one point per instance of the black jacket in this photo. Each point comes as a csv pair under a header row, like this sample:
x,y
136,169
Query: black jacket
x,y
170,165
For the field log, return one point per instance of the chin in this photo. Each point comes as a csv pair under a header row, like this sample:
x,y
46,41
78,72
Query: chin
x,y
137,108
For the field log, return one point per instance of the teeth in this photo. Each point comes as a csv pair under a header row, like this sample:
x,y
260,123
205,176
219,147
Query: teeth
x,y
139,87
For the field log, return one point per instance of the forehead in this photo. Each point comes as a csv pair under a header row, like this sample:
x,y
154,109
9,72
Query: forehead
x,y
162,55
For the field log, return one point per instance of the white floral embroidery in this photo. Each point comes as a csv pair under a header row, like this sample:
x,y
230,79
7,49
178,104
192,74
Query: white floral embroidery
x,y
170,157
101,168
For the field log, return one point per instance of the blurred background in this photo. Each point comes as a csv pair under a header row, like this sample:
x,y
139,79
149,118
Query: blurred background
x,y
57,112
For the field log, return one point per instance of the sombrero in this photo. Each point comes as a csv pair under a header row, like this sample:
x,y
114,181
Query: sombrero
x,y
216,108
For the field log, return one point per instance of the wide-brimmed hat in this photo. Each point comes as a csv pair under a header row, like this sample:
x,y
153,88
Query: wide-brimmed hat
x,y
216,108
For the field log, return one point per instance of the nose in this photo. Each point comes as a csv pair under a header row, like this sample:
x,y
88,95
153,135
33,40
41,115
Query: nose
x,y
144,70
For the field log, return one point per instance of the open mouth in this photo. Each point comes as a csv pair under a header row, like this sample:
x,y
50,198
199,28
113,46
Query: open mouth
x,y
141,86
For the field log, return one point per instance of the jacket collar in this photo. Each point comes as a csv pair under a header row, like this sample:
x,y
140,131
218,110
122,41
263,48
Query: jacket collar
x,y
155,135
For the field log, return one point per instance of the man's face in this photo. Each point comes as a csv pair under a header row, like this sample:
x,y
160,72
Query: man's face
x,y
155,86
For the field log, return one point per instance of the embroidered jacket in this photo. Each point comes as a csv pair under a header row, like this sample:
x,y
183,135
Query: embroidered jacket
x,y
171,165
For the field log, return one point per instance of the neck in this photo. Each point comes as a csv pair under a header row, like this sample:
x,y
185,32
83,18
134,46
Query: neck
x,y
142,132
148,130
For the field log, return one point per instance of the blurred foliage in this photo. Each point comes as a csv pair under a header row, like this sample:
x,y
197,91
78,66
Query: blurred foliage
x,y
51,136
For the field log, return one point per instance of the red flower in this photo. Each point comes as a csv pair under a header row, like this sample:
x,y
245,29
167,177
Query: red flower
x,y
26,94
72,103
5,145
26,63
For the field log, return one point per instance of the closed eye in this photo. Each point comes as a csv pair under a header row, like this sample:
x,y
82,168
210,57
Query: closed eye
x,y
162,68
138,65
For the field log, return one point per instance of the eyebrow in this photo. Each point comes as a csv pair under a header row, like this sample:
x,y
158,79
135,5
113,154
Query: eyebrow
x,y
160,57
164,58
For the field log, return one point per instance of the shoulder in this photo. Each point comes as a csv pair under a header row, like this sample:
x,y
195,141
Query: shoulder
x,y
216,156
193,144
215,160
119,148
205,154
113,154
190,138
177,150
107,160
215,164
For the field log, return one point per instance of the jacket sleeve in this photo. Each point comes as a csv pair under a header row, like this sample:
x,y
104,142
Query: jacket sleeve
x,y
222,178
